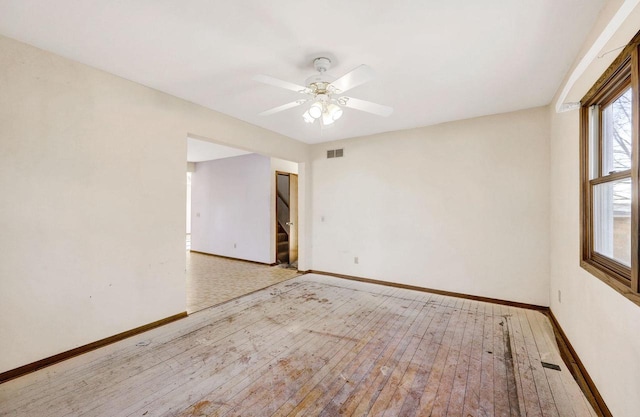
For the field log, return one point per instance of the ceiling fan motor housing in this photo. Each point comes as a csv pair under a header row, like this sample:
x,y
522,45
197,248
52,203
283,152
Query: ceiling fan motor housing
x,y
321,65
319,80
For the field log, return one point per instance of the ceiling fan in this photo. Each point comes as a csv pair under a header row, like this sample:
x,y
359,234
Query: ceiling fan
x,y
325,93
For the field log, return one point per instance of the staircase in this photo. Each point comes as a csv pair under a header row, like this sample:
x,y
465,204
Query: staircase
x,y
283,229
282,241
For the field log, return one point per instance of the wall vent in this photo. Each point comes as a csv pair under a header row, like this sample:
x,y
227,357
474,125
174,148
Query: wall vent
x,y
335,153
550,366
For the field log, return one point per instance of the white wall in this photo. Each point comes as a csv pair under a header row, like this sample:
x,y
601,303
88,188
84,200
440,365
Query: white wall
x,y
93,207
231,207
224,224
601,324
462,207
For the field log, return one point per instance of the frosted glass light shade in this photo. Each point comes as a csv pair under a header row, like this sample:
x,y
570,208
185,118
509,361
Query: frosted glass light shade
x,y
307,117
334,111
315,110
327,119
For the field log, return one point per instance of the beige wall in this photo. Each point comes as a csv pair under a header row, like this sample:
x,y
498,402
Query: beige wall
x,y
461,206
601,324
92,172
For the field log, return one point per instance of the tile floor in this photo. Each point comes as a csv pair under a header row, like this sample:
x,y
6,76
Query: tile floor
x,y
212,279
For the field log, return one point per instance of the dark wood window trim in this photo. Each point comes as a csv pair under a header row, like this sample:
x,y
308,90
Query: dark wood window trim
x,y
623,73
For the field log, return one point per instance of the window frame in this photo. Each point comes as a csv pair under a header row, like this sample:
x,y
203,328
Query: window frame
x,y
622,74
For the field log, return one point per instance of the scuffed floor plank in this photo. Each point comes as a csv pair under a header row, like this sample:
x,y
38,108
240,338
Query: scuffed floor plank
x,y
317,345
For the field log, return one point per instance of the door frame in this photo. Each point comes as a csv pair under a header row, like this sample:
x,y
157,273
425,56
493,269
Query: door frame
x,y
294,221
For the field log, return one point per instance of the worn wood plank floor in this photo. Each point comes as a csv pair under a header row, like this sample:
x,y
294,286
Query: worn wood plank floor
x,y
318,346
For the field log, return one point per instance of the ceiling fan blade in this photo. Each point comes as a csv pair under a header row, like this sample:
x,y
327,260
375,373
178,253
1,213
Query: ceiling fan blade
x,y
280,83
283,107
367,106
354,78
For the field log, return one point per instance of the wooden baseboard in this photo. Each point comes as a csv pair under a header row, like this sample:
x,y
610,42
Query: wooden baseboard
x,y
43,363
577,369
433,291
234,259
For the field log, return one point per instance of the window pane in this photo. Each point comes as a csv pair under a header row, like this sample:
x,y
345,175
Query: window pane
x,y
594,138
616,135
612,220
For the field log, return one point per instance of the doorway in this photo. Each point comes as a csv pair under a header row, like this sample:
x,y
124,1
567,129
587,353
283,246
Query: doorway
x,y
232,215
287,219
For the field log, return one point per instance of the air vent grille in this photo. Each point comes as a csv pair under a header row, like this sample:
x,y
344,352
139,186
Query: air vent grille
x,y
335,153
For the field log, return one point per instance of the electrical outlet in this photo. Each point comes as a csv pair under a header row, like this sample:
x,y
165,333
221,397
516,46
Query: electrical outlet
x,y
235,245
559,296
355,260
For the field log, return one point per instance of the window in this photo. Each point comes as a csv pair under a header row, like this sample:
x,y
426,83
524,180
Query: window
x,y
609,175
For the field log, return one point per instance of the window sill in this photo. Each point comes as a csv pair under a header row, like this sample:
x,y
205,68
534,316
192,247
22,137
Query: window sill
x,y
612,282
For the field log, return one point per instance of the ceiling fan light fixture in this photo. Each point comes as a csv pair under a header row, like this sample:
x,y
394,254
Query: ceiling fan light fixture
x,y
334,111
327,119
324,94
315,110
307,117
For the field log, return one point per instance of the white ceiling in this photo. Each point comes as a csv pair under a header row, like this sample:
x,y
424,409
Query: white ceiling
x,y
435,60
199,151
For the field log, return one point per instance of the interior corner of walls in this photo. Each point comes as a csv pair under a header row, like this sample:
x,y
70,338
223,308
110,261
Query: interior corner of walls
x,y
618,21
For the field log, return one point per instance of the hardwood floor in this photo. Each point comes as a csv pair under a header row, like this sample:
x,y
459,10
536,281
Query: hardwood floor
x,y
318,345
